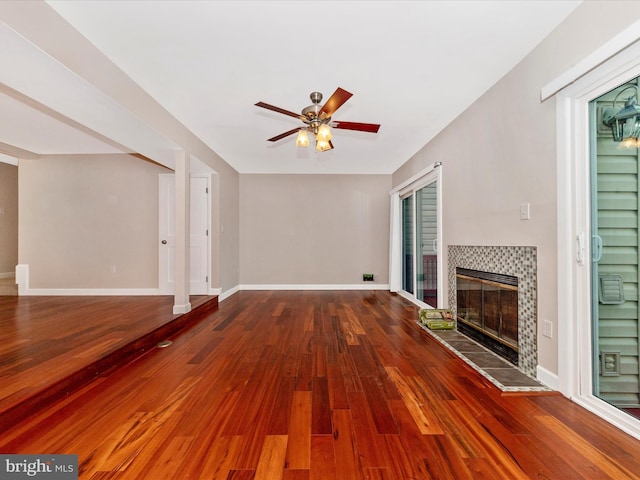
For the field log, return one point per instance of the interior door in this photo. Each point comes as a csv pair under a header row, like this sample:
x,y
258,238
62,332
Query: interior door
x,y
198,239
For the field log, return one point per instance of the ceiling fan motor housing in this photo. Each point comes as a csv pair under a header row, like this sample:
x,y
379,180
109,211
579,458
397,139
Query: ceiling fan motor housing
x,y
311,114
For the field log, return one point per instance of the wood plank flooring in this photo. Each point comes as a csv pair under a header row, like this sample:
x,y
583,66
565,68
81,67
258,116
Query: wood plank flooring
x,y
318,385
49,345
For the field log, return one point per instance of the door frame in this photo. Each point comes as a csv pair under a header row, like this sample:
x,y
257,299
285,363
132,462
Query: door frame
x,y
434,174
575,332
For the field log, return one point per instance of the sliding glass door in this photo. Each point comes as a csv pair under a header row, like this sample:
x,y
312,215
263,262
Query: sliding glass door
x,y
615,259
420,240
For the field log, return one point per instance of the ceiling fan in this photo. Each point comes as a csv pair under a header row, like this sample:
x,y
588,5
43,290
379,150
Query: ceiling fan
x,y
317,120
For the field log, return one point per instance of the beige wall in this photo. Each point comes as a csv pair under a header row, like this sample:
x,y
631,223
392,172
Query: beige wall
x,y
507,156
80,215
229,218
313,229
8,218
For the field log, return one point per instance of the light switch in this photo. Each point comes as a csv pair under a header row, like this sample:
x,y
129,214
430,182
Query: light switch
x,y
525,211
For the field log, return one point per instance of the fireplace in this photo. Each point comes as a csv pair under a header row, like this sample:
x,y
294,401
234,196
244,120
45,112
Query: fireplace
x,y
519,262
487,310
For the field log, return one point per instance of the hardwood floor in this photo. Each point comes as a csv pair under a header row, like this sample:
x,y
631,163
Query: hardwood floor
x,y
50,345
318,385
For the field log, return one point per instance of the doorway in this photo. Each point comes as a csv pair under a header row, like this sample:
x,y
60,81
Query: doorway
x,y
8,224
199,235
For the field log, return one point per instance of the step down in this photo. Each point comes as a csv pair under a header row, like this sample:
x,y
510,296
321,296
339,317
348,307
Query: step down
x,y
122,356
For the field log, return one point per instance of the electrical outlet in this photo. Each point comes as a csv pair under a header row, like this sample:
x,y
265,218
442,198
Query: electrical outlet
x,y
547,328
367,277
113,269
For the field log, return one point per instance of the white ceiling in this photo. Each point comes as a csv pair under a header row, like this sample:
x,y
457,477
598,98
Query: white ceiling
x,y
411,66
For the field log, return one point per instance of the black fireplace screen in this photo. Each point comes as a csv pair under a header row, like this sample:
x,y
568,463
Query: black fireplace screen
x,y
488,303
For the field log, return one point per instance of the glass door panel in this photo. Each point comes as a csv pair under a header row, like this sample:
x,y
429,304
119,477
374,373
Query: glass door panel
x,y
407,244
427,244
615,272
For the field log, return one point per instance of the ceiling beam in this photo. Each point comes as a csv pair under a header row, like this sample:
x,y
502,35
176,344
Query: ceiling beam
x,y
41,25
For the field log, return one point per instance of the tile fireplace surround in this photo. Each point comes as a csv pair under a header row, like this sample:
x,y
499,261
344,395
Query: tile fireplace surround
x,y
520,262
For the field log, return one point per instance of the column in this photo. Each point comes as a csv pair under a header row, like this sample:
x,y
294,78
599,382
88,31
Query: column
x,y
181,302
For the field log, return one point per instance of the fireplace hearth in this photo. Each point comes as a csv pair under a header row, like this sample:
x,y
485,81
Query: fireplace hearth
x,y
487,310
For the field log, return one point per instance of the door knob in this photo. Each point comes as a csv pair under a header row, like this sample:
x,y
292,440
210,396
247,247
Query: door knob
x,y
164,242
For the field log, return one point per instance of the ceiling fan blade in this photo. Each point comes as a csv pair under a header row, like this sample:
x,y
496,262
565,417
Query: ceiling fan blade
x,y
278,109
283,135
335,102
361,127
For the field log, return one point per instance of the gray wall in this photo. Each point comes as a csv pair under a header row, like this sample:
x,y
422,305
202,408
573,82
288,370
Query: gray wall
x,y
8,218
313,229
508,155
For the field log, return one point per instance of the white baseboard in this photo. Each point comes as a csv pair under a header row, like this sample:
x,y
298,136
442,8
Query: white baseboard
x,y
181,309
611,414
97,292
22,279
413,299
357,286
227,293
547,378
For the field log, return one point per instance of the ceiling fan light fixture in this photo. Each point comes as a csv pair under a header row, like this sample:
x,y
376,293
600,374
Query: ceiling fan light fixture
x,y
324,133
322,145
303,139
